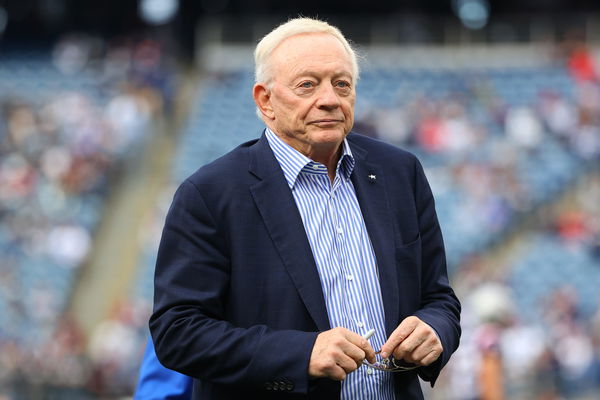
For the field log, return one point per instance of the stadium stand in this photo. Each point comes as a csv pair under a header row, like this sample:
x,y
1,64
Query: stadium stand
x,y
502,145
68,129
499,145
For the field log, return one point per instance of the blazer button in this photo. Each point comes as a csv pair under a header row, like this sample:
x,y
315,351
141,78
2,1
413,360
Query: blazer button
x,y
269,386
289,387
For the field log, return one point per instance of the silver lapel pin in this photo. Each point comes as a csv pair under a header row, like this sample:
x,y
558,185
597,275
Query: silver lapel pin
x,y
372,177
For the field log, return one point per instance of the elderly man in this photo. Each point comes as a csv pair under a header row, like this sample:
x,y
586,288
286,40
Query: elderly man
x,y
286,263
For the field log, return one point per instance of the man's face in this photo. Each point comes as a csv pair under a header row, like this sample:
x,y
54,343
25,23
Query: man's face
x,y
312,93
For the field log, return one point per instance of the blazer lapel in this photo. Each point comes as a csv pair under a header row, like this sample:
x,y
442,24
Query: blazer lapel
x,y
278,209
370,186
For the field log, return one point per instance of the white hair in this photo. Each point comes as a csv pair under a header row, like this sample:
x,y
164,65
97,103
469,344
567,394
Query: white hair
x,y
293,27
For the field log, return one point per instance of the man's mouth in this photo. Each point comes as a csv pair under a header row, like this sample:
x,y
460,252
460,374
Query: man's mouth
x,y
325,121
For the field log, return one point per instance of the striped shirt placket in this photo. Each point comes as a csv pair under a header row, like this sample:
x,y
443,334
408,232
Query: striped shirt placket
x,y
343,254
344,306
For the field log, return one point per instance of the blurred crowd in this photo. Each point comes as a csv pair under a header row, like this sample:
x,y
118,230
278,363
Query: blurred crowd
x,y
504,357
492,161
549,351
69,127
504,353
492,165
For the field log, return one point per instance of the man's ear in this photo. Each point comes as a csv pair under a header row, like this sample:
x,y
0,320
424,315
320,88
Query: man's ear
x,y
262,98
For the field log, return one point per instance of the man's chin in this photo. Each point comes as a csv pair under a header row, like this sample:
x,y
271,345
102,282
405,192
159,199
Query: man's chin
x,y
332,135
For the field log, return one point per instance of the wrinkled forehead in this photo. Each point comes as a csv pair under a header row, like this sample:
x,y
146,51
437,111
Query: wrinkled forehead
x,y
309,49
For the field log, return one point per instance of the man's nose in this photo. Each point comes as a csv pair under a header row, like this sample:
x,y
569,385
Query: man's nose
x,y
328,98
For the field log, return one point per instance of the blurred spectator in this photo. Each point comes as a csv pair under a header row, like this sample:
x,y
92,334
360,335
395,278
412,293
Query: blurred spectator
x,y
115,348
580,61
490,159
64,138
523,127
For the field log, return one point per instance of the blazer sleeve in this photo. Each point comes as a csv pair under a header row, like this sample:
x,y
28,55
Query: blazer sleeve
x,y
440,308
189,324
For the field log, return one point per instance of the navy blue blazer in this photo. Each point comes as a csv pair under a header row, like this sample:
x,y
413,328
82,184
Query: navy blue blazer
x,y
238,301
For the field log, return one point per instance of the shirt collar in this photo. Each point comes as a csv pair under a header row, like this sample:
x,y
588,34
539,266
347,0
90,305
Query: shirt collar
x,y
293,162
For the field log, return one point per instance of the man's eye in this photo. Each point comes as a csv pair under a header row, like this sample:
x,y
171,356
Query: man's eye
x,y
342,84
306,85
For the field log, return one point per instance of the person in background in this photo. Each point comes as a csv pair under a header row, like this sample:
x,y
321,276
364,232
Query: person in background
x,y
308,263
159,383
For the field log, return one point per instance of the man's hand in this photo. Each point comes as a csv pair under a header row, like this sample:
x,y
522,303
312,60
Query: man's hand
x,y
413,341
337,352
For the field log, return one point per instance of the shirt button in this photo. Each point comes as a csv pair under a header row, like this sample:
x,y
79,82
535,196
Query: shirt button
x,y
340,230
369,371
349,277
360,324
315,166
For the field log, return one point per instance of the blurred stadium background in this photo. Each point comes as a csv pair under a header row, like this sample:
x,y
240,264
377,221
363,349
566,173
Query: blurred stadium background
x,y
106,106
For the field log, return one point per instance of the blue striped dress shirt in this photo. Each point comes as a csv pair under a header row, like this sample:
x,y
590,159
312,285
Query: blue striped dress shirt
x,y
343,253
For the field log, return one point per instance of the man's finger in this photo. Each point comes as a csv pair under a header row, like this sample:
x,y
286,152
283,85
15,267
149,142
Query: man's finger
x,y
429,358
416,354
336,373
338,352
353,351
347,363
406,327
364,345
420,335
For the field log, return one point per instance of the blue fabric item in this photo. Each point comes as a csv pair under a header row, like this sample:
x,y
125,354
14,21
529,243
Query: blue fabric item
x,y
159,383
